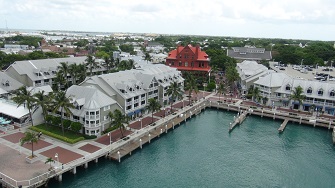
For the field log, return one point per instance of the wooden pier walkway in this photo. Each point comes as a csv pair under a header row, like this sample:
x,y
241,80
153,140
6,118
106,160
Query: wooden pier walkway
x,y
283,126
238,120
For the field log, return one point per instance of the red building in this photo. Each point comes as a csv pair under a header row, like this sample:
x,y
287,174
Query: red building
x,y
190,59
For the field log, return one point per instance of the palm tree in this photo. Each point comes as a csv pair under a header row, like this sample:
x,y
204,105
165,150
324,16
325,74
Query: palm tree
x,y
25,97
221,89
175,92
118,119
90,62
153,106
191,85
43,101
63,69
231,76
59,81
74,72
82,72
147,57
49,160
63,103
256,94
297,95
30,137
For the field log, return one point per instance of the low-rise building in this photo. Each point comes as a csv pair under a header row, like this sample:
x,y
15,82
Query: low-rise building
x,y
249,72
91,108
249,53
42,72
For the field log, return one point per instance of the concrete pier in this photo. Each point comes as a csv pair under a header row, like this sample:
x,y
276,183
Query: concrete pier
x,y
283,126
238,120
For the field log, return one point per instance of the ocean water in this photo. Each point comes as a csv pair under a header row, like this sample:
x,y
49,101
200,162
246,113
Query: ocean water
x,y
201,153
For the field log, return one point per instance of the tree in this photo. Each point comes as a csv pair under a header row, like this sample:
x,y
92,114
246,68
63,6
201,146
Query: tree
x,y
231,76
118,119
191,85
74,72
43,101
297,95
90,63
30,137
152,106
75,126
49,160
255,94
221,89
63,68
25,97
174,91
147,57
63,103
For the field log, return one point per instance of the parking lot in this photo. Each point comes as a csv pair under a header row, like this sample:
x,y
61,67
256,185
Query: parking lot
x,y
306,75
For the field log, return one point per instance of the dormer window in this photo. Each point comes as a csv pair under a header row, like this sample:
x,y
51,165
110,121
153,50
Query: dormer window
x,y
332,93
53,72
320,92
46,73
6,83
288,87
309,91
38,74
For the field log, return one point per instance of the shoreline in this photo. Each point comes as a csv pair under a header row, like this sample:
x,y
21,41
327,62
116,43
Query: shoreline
x,y
138,138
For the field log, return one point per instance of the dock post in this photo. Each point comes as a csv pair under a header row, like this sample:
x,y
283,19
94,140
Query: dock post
x,y
330,123
161,132
274,115
166,128
228,107
314,122
118,153
173,125
85,165
60,177
74,171
262,114
140,143
300,120
230,125
96,160
185,116
149,137
234,118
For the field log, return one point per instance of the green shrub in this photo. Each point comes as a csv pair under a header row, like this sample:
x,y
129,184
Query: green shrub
x,y
56,120
90,136
76,126
57,136
66,123
109,129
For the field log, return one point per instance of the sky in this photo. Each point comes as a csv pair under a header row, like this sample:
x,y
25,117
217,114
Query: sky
x,y
289,19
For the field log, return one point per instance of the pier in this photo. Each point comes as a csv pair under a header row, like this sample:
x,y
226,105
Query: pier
x,y
283,126
238,120
137,139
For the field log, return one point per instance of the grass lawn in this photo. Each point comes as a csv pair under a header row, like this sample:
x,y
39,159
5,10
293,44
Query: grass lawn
x,y
58,131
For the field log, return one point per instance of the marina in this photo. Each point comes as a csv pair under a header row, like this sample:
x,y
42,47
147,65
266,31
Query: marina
x,y
124,147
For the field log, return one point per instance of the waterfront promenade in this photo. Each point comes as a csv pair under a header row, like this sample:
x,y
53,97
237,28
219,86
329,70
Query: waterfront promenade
x,y
138,133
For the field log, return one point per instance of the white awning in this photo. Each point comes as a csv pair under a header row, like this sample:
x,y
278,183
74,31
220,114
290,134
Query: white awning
x,y
11,109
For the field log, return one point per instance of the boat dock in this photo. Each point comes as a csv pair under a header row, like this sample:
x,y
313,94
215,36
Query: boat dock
x,y
238,120
283,126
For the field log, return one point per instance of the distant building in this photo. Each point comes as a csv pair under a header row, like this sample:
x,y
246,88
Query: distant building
x,y
249,72
190,59
249,53
16,46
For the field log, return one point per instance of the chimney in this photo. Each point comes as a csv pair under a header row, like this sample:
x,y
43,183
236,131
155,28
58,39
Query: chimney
x,y
178,45
197,47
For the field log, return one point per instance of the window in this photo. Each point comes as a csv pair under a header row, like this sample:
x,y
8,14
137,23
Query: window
x,y
46,73
320,92
192,64
309,91
332,93
180,64
106,117
97,122
288,87
186,64
106,108
172,63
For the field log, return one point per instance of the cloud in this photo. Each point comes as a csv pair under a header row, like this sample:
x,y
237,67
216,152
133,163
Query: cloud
x,y
210,16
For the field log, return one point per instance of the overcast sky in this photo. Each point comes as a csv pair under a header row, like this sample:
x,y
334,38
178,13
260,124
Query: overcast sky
x,y
291,19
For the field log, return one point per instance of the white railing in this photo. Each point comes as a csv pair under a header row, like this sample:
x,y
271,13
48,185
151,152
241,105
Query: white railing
x,y
88,117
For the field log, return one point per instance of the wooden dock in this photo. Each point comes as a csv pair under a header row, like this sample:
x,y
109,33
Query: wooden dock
x,y
238,120
283,126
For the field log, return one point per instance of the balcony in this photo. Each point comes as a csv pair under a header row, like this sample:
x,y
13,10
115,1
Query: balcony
x,y
92,125
92,117
129,103
136,100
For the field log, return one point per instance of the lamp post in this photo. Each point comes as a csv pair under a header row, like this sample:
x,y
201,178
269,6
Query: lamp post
x,y
56,156
20,145
141,122
110,137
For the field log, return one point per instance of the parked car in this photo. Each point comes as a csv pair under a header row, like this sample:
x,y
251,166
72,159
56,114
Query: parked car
x,y
281,68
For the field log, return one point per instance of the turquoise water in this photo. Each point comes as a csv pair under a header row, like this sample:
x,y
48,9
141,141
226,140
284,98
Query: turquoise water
x,y
201,153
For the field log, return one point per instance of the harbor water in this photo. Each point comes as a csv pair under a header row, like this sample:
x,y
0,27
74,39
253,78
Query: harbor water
x,y
201,153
